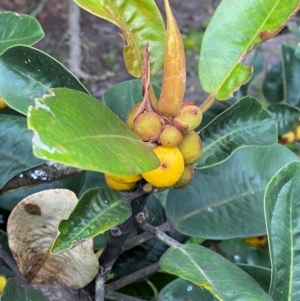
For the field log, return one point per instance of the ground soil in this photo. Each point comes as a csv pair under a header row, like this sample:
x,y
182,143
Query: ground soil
x,y
102,44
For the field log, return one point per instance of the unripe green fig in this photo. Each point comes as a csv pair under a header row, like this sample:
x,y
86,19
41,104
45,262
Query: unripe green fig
x,y
170,136
188,118
186,177
131,115
148,126
190,147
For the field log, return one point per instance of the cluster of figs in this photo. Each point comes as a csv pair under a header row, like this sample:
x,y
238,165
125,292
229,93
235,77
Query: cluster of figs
x,y
166,125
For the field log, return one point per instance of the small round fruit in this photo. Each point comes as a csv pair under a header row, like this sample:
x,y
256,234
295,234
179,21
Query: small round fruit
x,y
186,177
297,132
190,147
170,136
131,115
2,283
117,185
288,137
148,126
170,169
126,179
3,104
188,118
256,242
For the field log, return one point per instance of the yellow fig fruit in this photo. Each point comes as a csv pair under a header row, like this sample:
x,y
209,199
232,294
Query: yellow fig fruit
x,y
131,115
2,283
170,136
126,179
256,242
288,137
297,132
3,104
188,118
190,147
186,177
170,169
117,185
148,126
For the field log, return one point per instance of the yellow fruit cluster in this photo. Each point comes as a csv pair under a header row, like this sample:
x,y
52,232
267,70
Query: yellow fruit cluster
x,y
168,124
177,145
291,136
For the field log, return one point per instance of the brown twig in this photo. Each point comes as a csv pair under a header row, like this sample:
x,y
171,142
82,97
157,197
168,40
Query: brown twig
x,y
118,235
137,240
128,279
160,235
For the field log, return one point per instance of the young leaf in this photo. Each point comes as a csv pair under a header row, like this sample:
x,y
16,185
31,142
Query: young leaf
x,y
286,117
18,29
245,123
283,225
31,229
205,268
235,208
97,211
291,73
232,32
73,128
140,22
28,73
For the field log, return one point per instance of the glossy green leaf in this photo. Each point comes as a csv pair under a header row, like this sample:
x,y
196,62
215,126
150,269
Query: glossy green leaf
x,y
140,23
260,274
243,254
291,72
44,173
73,128
245,90
16,156
297,51
245,123
180,289
93,180
273,84
121,97
15,147
233,30
18,29
282,219
14,290
258,68
97,211
28,73
226,201
286,117
205,268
